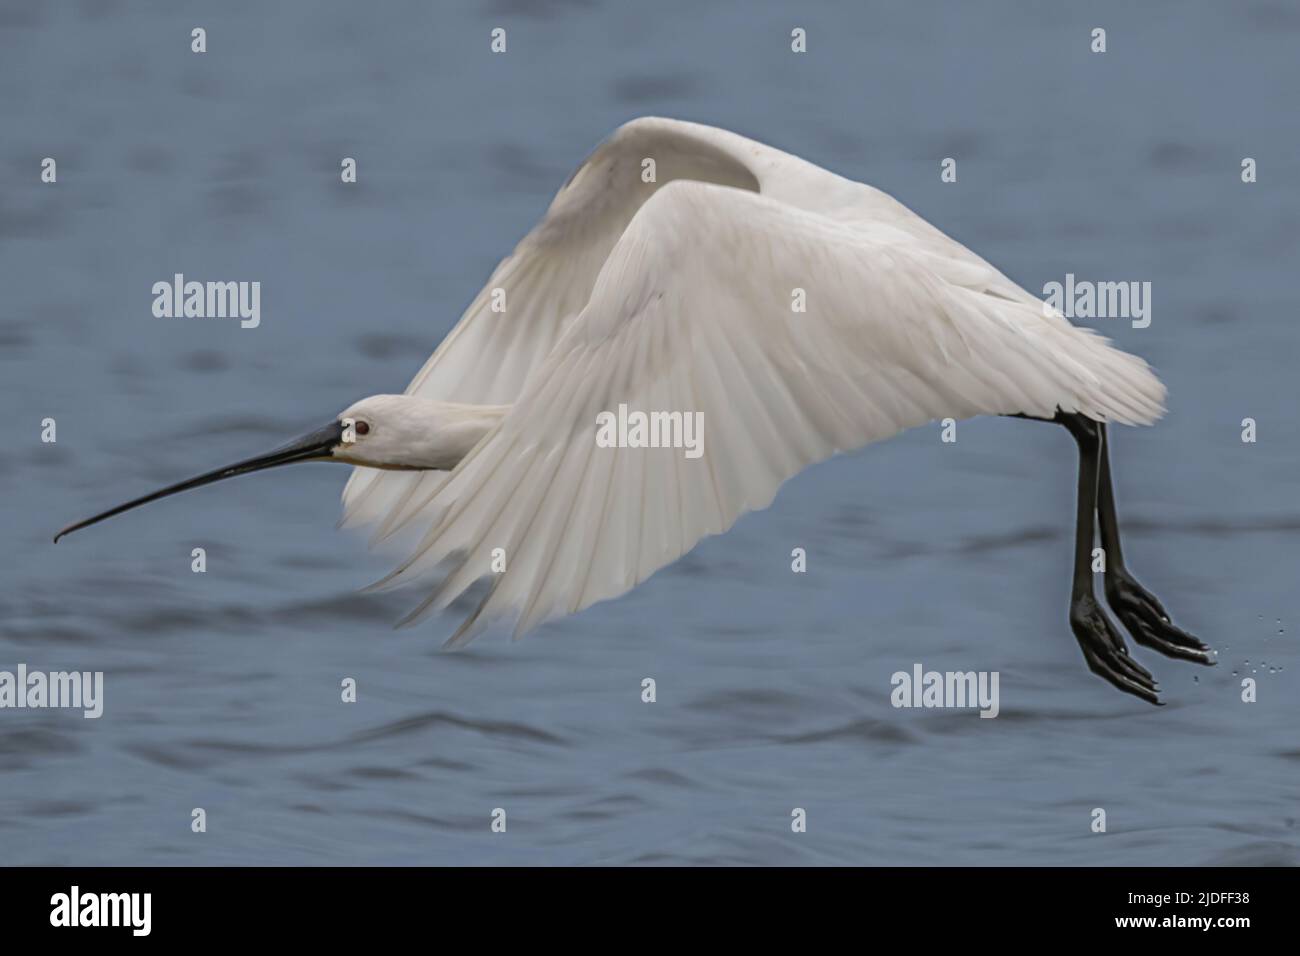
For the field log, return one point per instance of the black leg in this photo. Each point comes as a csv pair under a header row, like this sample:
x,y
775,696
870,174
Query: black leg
x,y
1137,608
1103,647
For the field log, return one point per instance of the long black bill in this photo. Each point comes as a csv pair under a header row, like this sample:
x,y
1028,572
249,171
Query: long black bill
x,y
314,446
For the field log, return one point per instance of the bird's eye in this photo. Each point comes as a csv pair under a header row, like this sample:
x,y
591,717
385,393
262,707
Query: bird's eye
x,y
362,428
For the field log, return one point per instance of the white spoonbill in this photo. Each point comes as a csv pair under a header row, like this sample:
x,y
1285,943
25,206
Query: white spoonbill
x,y
674,298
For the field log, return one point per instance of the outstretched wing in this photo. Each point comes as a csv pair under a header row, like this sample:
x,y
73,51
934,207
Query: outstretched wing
x,y
692,313
546,281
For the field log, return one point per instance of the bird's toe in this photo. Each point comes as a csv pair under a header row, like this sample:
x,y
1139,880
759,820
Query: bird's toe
x,y
1106,654
1149,623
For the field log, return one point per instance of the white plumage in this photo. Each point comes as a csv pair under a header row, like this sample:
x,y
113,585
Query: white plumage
x,y
676,295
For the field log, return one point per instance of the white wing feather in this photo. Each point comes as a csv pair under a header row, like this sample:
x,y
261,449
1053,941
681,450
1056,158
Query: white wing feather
x,y
487,356
691,312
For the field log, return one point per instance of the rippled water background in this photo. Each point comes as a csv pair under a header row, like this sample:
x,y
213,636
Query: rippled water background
x,y
222,689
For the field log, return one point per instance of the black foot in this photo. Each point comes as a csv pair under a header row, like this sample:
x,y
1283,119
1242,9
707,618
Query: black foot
x,y
1105,652
1148,622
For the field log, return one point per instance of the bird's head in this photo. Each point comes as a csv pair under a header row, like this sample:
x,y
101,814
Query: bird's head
x,y
394,432
383,431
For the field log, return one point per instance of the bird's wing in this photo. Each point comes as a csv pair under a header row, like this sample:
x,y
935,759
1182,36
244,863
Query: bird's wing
x,y
693,313
546,281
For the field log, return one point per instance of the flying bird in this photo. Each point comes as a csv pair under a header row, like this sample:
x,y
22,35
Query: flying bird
x,y
671,293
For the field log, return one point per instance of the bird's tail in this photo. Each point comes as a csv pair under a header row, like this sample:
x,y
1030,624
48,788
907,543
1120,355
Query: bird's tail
x,y
1112,385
